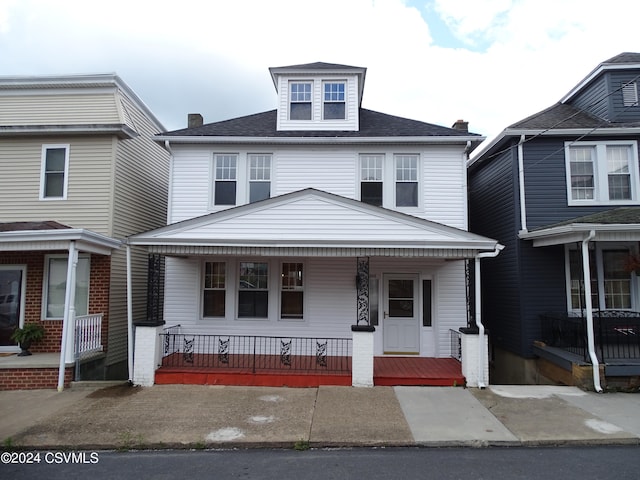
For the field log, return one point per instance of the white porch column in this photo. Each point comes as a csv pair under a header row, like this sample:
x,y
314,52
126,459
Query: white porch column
x,y
147,354
67,346
474,374
588,309
362,356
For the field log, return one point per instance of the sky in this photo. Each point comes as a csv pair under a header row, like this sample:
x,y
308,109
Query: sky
x,y
488,62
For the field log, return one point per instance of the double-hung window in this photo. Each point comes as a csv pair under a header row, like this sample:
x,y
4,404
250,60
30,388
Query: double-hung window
x,y
334,101
225,177
259,177
56,286
253,290
371,179
300,101
602,172
610,281
54,174
406,173
215,283
291,291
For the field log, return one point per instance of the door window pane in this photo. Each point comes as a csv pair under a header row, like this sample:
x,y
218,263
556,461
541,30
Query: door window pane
x,y
10,301
401,298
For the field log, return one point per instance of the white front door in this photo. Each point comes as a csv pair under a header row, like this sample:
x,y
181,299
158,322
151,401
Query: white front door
x,y
400,327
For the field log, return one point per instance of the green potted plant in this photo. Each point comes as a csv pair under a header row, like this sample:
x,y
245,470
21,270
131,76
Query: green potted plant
x,y
25,336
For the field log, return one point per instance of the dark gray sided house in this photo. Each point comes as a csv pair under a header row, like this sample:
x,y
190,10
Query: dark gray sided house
x,y
561,190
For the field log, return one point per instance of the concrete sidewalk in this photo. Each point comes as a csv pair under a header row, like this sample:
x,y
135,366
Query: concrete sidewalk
x,y
194,416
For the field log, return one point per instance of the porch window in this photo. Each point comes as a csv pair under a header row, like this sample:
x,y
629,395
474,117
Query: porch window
x,y
214,289
253,290
602,173
259,177
300,101
610,283
54,176
291,291
55,286
406,180
225,176
371,179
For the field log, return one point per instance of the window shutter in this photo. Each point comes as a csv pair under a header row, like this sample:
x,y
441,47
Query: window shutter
x,y
630,94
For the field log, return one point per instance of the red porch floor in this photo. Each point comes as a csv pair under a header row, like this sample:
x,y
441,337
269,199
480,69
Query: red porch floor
x,y
387,371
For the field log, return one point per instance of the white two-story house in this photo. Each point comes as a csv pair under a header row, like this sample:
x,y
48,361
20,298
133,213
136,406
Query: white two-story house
x,y
320,215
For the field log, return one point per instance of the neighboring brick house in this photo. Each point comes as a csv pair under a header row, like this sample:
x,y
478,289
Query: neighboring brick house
x,y
79,171
561,190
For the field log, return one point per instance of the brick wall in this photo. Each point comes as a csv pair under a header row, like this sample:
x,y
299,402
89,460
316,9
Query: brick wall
x,y
32,378
98,295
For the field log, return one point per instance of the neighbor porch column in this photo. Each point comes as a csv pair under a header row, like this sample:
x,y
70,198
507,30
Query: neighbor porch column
x,y
67,343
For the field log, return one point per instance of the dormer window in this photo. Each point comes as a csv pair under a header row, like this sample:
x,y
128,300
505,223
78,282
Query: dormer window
x,y
300,101
334,100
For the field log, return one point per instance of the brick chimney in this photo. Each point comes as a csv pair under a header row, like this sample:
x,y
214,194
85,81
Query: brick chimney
x,y
461,125
194,120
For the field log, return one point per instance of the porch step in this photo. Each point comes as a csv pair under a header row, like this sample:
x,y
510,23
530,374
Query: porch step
x,y
417,371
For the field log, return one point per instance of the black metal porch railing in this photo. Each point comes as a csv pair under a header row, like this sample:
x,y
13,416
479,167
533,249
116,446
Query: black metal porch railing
x,y
253,353
456,344
616,334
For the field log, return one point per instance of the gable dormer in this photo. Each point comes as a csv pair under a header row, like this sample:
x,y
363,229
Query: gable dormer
x,y
611,90
318,96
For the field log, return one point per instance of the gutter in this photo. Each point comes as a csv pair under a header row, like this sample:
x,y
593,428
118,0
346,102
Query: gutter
x,y
478,308
523,206
586,272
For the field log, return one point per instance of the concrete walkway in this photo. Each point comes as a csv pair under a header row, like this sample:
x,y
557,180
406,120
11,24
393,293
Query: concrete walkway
x,y
195,416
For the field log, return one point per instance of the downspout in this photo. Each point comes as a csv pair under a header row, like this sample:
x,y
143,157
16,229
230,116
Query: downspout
x,y
523,207
129,317
69,312
586,269
478,308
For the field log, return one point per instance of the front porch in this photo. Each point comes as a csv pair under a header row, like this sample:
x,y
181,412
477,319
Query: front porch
x,y
287,361
387,371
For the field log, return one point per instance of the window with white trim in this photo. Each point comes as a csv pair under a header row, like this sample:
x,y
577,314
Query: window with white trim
x,y
259,177
610,281
602,172
291,291
55,286
333,96
225,177
371,185
55,172
215,289
406,176
300,101
253,290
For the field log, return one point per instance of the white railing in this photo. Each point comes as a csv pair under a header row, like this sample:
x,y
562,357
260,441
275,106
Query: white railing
x,y
88,337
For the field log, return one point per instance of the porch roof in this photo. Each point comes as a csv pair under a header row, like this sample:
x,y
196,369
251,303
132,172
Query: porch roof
x,y
615,225
51,235
313,223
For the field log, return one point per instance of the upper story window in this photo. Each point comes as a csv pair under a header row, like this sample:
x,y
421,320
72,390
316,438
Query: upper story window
x,y
225,177
334,101
406,169
602,172
259,177
371,185
300,101
55,168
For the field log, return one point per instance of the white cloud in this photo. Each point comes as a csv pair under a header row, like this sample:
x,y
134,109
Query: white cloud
x,y
212,56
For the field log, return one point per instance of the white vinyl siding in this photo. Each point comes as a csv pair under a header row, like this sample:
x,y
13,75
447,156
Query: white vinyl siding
x,y
317,121
442,192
